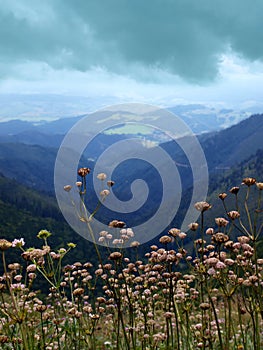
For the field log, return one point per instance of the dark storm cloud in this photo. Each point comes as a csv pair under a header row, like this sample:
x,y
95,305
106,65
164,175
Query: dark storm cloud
x,y
183,37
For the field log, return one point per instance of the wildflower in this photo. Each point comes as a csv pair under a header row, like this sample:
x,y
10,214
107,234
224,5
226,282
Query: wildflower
x,y
43,234
259,185
17,243
94,316
71,245
193,226
83,172
221,222
4,244
78,291
115,256
182,235
234,190
17,286
202,206
165,239
61,251
222,196
104,193
101,300
78,183
220,265
101,176
211,261
4,339
174,232
67,188
117,223
41,308
233,214
229,262
211,271
14,266
204,306
31,268
117,241
103,233
220,237
198,326
243,239
249,181
130,232
210,231
110,183
135,244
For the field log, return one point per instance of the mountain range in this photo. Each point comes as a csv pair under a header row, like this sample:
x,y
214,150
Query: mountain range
x,y
27,201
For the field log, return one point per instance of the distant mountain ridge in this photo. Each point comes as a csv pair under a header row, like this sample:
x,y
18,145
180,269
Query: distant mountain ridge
x,y
199,118
33,164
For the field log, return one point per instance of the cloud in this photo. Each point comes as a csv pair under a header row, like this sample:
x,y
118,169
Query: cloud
x,y
138,39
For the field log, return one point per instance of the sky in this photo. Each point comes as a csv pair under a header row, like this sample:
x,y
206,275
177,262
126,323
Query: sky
x,y
166,52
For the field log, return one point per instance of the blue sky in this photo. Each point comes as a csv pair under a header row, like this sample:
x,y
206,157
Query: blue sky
x,y
159,51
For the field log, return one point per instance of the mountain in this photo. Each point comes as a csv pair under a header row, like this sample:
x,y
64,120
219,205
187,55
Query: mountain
x,y
199,118
33,164
202,119
233,145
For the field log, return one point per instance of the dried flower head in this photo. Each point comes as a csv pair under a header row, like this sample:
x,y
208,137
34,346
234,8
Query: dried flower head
x,y
249,181
165,240
210,231
234,190
67,188
193,226
104,193
117,224
78,291
83,172
222,196
135,244
220,237
101,176
233,214
174,232
115,256
221,222
259,185
4,244
204,306
110,183
202,206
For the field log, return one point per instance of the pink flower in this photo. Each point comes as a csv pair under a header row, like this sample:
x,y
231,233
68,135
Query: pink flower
x,y
17,243
220,265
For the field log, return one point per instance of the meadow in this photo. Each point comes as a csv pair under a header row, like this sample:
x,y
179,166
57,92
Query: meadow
x,y
173,297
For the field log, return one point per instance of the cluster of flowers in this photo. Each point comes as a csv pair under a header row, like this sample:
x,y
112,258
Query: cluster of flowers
x,y
173,298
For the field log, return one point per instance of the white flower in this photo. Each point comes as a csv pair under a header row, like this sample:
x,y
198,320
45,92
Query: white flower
x,y
67,188
101,176
17,243
104,193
